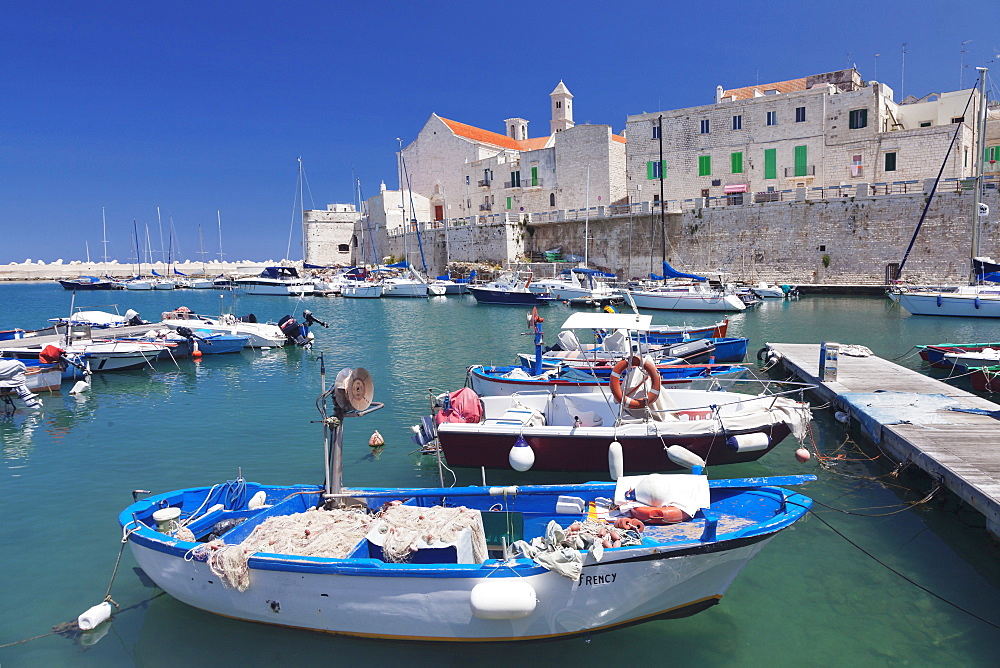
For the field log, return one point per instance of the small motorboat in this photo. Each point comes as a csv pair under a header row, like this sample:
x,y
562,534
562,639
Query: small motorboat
x,y
88,283
936,355
509,288
84,354
259,334
281,281
362,290
485,564
24,378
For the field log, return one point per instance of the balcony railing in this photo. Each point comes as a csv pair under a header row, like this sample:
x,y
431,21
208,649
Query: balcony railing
x,y
485,207
484,183
790,172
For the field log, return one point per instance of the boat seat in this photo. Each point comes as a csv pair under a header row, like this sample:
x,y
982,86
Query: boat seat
x,y
521,417
591,409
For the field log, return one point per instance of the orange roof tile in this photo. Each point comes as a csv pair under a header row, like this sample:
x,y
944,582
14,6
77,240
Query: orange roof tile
x,y
534,143
747,92
480,135
618,138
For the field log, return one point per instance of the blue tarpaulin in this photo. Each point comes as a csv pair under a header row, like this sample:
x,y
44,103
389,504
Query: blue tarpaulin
x,y
670,272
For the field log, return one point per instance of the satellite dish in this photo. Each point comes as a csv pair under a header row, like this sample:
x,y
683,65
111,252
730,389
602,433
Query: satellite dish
x,y
354,389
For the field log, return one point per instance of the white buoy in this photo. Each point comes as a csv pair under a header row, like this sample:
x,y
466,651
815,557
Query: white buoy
x,y
616,460
748,442
94,616
681,456
521,456
257,500
503,598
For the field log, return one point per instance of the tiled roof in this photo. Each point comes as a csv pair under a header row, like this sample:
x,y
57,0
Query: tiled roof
x,y
503,141
482,136
747,92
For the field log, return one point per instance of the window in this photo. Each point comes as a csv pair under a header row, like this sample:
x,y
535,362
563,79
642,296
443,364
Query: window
x,y
655,169
704,165
558,104
992,156
771,163
925,124
552,199
515,179
772,118
800,114
857,119
736,162
466,179
890,161
343,248
534,176
856,165
737,122
704,127
801,160
958,119
656,131
704,192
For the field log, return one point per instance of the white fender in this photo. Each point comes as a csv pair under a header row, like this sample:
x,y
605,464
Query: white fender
x,y
503,598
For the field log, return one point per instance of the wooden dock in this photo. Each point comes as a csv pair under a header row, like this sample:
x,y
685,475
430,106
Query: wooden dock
x,y
960,449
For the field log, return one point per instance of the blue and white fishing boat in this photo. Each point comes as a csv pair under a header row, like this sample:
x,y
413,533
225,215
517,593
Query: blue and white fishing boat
x,y
453,564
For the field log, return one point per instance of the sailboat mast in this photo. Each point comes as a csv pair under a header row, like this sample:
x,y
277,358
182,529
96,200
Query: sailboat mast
x,y
980,157
218,215
586,224
302,214
201,245
104,234
159,225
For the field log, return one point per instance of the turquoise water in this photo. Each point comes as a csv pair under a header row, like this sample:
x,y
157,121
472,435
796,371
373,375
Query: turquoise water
x,y
809,598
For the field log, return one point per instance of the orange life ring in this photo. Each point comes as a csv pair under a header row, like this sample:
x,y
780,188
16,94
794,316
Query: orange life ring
x,y
622,396
659,514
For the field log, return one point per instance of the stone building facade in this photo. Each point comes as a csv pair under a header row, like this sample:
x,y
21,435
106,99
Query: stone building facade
x,y
467,171
327,235
831,129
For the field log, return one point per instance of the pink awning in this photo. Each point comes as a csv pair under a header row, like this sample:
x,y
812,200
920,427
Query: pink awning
x,y
738,188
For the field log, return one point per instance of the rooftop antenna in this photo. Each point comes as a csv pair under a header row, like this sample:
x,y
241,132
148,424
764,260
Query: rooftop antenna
x,y
902,75
961,64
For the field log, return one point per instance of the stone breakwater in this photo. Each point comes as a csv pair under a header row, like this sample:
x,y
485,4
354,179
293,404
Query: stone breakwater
x,y
40,271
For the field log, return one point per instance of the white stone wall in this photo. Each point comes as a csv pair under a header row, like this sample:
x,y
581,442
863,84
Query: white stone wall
x,y
327,235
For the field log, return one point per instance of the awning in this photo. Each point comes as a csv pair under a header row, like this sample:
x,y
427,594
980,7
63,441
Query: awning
x,y
738,188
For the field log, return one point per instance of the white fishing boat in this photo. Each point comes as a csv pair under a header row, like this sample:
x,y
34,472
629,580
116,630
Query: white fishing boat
x,y
259,334
577,284
137,284
685,296
281,281
766,291
478,564
403,286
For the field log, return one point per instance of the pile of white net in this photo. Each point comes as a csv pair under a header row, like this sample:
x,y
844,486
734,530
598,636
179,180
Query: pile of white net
x,y
314,533
404,528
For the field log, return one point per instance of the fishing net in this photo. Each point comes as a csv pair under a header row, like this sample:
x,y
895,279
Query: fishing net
x,y
402,530
314,533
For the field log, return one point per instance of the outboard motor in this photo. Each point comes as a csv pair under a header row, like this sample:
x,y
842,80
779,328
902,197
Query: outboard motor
x,y
12,377
290,327
309,319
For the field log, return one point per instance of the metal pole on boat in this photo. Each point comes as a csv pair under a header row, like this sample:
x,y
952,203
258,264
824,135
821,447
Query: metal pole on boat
x,y
980,150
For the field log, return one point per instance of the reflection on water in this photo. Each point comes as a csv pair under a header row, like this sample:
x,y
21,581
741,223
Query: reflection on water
x,y
809,597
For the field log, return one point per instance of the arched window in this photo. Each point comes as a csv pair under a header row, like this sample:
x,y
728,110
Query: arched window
x,y
552,199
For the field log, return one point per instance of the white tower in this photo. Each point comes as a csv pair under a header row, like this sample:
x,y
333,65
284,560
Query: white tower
x,y
562,108
517,128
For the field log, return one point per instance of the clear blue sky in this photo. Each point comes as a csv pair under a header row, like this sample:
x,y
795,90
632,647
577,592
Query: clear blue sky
x,y
195,107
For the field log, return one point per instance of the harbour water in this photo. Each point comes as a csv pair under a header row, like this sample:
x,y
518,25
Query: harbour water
x,y
810,597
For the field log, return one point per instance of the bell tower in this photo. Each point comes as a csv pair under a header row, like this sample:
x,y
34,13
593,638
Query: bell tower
x,y
562,108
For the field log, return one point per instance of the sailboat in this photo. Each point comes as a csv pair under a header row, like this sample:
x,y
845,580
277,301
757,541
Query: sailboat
x,y
93,282
205,282
976,300
409,283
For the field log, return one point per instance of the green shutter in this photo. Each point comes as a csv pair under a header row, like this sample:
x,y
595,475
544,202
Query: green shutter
x,y
704,165
649,170
508,203
801,158
663,168
737,162
534,176
770,163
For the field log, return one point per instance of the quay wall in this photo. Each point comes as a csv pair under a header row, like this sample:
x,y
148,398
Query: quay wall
x,y
840,240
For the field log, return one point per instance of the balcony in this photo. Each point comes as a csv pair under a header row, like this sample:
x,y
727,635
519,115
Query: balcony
x,y
809,171
484,183
485,207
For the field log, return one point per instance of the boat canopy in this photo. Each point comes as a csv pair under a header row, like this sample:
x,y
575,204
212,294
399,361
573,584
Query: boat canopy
x,y
589,272
400,265
279,272
670,272
630,321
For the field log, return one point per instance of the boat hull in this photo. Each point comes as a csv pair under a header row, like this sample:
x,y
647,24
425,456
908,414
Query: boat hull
x,y
363,291
677,301
259,335
257,286
960,305
404,288
585,449
87,285
486,296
